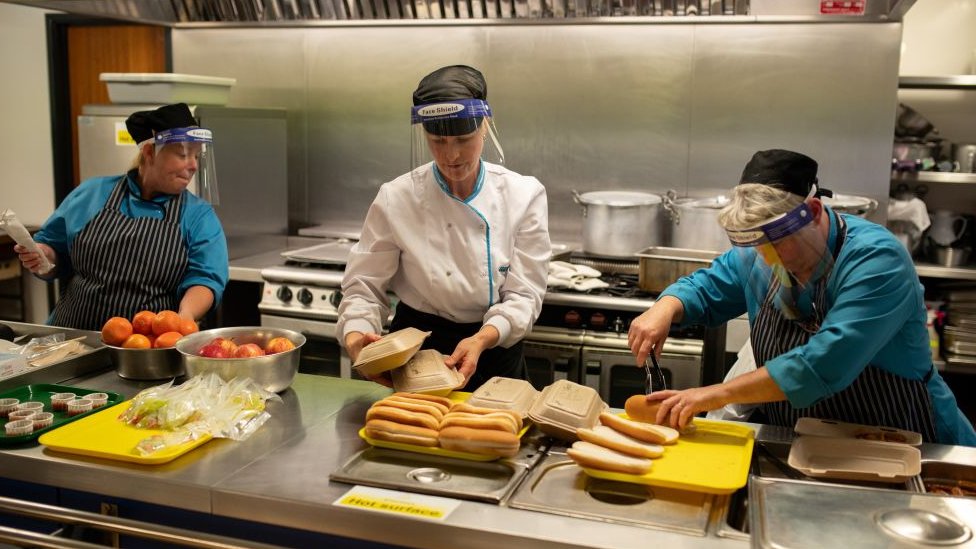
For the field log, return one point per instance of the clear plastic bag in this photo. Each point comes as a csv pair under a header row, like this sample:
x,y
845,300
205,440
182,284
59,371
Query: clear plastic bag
x,y
204,404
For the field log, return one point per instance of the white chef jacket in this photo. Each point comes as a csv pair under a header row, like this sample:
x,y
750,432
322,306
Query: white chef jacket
x,y
482,259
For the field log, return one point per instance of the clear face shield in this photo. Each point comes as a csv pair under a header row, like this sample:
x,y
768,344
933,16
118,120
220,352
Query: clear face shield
x,y
788,255
193,147
456,135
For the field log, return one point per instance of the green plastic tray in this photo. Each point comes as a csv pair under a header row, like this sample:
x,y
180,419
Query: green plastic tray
x,y
42,393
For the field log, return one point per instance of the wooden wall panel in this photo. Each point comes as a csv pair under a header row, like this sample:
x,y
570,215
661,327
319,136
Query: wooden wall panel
x,y
94,49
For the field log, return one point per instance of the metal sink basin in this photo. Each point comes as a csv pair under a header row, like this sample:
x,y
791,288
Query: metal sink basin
x,y
489,481
558,486
769,461
789,513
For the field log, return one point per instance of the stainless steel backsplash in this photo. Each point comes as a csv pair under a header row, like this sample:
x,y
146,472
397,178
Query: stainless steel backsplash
x,y
600,105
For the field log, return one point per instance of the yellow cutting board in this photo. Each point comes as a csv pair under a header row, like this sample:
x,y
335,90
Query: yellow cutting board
x,y
103,435
714,459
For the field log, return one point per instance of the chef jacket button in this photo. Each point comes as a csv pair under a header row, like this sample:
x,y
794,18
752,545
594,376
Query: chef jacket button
x,y
482,227
449,225
448,273
484,274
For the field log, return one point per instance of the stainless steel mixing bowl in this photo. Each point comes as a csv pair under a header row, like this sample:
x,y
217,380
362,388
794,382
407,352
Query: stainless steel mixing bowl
x,y
272,372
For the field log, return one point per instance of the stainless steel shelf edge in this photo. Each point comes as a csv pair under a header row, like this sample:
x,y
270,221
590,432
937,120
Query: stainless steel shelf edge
x,y
938,271
934,177
955,82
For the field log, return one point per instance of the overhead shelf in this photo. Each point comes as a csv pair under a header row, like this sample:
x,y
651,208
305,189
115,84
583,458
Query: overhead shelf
x,y
932,270
956,82
934,177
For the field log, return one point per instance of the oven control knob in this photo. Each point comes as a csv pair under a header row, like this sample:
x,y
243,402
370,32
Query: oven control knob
x,y
284,294
304,296
335,299
572,319
618,325
598,320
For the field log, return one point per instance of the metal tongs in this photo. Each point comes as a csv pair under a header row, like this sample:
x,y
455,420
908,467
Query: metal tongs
x,y
655,377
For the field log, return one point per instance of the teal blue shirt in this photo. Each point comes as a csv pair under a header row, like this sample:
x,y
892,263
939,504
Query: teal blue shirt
x,y
876,315
203,235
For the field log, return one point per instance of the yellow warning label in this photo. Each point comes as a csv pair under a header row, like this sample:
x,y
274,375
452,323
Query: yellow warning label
x,y
392,506
122,136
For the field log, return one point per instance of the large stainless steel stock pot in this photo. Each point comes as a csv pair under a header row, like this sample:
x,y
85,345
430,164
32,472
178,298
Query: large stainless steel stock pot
x,y
694,222
620,223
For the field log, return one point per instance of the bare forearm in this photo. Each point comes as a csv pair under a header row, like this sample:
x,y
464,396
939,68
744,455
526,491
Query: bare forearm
x,y
757,386
196,302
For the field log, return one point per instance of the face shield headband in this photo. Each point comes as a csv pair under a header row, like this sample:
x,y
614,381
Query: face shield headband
x,y
773,231
194,144
455,134
786,257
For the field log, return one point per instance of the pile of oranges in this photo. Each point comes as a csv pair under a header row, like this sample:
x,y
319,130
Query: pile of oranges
x,y
147,330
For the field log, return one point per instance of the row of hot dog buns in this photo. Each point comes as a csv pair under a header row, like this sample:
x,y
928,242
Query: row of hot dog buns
x,y
623,445
432,421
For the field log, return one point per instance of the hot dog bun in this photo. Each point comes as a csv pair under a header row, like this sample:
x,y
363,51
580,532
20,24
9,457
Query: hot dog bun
x,y
465,407
479,441
587,454
647,432
498,422
443,401
639,409
399,415
382,429
601,435
413,405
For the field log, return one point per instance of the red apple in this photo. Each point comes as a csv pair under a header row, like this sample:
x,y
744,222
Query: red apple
x,y
227,345
212,350
248,350
278,345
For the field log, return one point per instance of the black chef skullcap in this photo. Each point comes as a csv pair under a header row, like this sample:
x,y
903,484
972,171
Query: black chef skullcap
x,y
446,84
786,170
143,125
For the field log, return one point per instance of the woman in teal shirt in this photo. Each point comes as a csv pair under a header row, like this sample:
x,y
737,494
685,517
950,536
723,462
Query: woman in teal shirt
x,y
140,241
837,316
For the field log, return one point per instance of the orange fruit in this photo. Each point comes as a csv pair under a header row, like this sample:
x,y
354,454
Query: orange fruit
x,y
166,321
168,339
136,341
188,327
116,330
142,322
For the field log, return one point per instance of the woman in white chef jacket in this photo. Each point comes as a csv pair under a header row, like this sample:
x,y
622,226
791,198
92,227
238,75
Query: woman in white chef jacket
x,y
461,241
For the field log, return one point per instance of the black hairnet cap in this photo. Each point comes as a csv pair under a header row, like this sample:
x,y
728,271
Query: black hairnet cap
x,y
446,84
787,170
143,125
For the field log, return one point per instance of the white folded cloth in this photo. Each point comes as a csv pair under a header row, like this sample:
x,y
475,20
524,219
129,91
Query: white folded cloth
x,y
577,277
912,211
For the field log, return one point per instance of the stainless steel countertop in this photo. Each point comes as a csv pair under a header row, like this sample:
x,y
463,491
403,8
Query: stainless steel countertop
x,y
280,476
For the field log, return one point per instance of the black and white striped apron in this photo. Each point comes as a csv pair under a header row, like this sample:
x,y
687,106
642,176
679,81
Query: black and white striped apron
x,y
876,397
123,265
446,334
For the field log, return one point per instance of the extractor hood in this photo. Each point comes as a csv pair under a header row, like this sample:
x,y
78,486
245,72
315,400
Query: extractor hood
x,y
180,13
